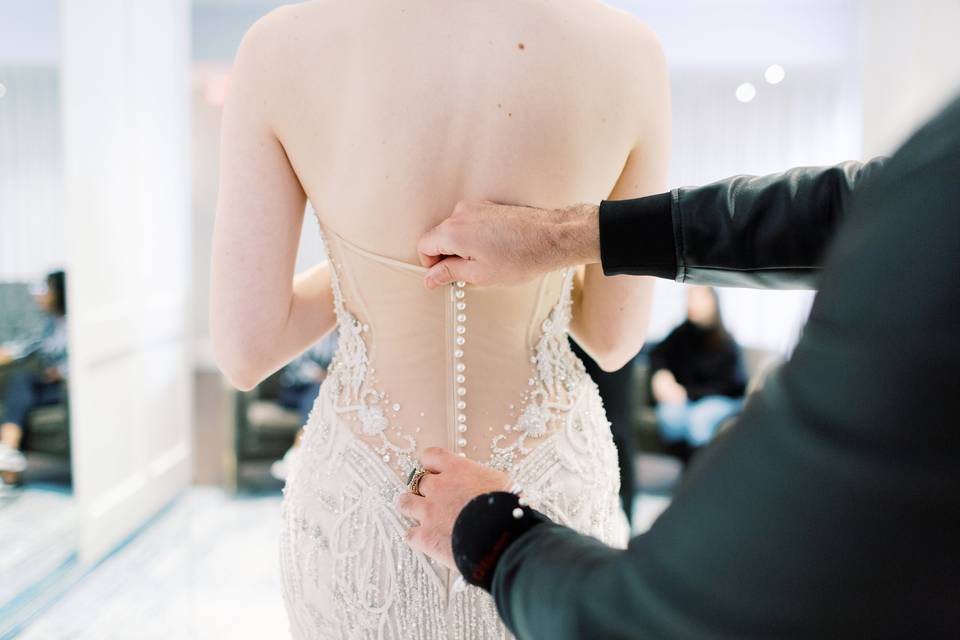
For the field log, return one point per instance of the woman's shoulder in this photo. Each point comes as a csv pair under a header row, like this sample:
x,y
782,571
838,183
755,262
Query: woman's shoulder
x,y
628,32
627,52
289,27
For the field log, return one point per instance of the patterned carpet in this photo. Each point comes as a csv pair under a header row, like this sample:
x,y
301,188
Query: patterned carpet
x,y
207,567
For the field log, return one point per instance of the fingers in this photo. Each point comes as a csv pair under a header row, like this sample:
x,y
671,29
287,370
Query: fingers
x,y
432,543
437,459
451,237
449,270
412,506
429,261
417,539
426,485
441,274
435,244
420,539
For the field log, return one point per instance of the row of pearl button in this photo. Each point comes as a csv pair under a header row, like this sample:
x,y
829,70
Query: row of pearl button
x,y
459,340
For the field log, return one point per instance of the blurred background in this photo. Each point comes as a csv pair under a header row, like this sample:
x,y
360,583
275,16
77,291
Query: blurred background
x,y
139,493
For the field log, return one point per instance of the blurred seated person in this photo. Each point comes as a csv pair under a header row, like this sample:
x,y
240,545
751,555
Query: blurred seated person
x,y
300,383
28,389
698,380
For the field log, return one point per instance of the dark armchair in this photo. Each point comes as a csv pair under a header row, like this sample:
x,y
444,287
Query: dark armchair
x,y
264,429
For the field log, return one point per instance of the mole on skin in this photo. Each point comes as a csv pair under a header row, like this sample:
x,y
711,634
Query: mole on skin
x,y
521,46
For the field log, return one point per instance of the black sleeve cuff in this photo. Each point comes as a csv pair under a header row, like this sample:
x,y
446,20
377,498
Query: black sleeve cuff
x,y
636,237
484,530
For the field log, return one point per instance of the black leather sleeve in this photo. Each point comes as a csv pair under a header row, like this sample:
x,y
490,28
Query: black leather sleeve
x,y
831,509
747,231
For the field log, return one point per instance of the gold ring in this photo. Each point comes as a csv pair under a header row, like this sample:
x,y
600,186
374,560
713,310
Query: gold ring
x,y
413,482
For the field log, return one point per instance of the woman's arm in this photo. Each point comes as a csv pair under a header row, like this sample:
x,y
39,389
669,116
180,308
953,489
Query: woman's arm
x,y
261,315
611,314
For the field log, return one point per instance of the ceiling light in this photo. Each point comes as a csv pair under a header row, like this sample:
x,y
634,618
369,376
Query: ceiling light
x,y
774,74
746,92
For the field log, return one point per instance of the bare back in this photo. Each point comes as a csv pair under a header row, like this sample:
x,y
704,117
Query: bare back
x,y
391,112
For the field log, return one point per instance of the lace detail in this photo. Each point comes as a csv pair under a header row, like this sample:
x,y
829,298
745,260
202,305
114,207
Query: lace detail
x,y
351,376
555,373
347,572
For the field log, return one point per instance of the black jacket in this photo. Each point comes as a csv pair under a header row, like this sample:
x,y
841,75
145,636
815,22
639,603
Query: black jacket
x,y
747,231
832,508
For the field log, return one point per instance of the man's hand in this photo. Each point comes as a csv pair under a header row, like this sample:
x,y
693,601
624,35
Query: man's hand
x,y
486,243
451,482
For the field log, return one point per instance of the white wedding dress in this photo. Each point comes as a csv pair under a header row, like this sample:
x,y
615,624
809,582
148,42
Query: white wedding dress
x,y
486,372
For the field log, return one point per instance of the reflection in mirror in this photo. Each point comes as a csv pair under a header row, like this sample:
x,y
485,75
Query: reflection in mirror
x,y
38,518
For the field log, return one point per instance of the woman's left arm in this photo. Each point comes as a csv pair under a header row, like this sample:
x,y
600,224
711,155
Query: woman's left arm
x,y
261,314
611,313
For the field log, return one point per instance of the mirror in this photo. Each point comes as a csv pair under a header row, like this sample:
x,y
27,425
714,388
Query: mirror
x,y
38,519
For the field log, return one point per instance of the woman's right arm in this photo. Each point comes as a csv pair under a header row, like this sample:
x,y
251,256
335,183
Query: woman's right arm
x,y
261,314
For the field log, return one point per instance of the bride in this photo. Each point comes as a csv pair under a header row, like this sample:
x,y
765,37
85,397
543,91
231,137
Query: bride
x,y
383,115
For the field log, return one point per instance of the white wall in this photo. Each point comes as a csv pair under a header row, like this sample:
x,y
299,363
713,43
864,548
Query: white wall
x,y
911,66
29,34
812,118
32,239
31,179
729,34
125,100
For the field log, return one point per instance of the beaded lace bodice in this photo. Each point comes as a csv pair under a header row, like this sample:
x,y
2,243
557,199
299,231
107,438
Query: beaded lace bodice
x,y
485,372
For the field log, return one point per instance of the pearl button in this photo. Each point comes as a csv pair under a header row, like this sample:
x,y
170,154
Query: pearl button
x,y
461,367
462,428
461,379
461,405
396,407
461,284
460,294
458,354
461,317
461,329
462,442
461,391
461,418
461,340
517,513
461,306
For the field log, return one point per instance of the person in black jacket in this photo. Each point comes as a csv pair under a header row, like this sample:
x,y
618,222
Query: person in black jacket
x,y
698,380
832,508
